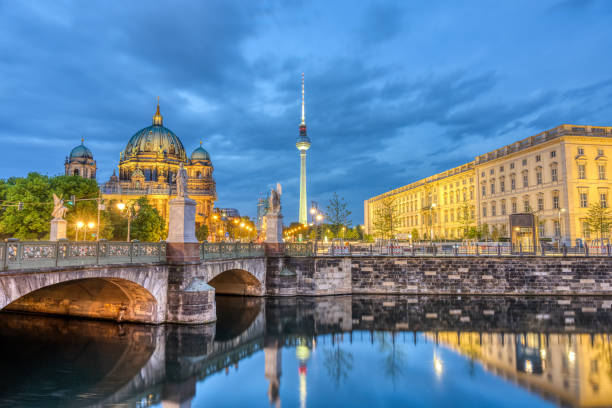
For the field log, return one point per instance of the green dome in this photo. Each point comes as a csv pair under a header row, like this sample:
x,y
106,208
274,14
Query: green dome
x,y
200,154
81,152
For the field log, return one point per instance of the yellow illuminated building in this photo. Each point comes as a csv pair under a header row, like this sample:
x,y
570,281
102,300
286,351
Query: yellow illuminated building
x,y
556,174
569,369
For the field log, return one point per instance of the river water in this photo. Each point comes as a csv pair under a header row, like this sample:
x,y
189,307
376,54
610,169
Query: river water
x,y
353,351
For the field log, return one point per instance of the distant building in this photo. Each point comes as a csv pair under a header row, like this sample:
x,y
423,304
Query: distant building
x,y
228,212
556,174
80,163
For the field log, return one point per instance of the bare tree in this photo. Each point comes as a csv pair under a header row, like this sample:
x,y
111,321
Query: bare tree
x,y
385,218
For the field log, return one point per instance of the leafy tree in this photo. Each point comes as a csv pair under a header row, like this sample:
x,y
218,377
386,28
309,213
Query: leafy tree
x,y
385,218
599,220
33,221
352,234
495,234
415,234
148,225
202,232
337,214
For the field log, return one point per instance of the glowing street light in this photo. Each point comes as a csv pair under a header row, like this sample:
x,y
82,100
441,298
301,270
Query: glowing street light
x,y
121,206
79,225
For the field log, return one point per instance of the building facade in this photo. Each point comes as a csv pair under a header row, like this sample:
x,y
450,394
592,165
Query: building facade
x,y
556,175
148,166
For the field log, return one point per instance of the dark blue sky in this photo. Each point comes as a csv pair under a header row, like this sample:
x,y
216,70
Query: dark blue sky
x,y
395,91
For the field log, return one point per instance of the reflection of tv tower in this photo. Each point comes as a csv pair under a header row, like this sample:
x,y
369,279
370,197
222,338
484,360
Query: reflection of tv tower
x,y
273,372
302,352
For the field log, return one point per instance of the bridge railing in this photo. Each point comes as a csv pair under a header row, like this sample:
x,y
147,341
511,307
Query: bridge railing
x,y
299,249
221,250
43,254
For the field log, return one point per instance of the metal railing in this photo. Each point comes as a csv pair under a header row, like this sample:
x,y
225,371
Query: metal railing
x,y
221,250
458,249
46,254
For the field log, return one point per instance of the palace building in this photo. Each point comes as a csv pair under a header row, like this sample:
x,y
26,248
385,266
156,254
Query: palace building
x,y
147,167
556,175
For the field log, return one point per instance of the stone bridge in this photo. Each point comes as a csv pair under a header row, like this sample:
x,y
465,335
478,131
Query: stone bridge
x,y
147,286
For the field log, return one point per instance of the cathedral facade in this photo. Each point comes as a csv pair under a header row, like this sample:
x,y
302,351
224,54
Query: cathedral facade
x,y
148,166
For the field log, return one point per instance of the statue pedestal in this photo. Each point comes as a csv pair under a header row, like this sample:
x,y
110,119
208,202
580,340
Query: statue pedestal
x,y
183,246
274,229
58,229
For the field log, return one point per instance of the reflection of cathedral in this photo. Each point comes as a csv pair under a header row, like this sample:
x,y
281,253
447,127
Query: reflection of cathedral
x,y
147,167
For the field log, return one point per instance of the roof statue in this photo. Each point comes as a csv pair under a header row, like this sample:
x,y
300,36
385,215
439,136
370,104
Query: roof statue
x,y
59,210
275,204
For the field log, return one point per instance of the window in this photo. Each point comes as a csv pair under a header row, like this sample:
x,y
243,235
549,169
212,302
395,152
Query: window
x,y
76,172
513,183
581,171
553,174
540,203
503,207
492,187
492,171
556,202
484,190
483,174
557,227
452,216
603,200
502,185
526,206
601,170
584,202
580,151
514,209
471,194
539,176
553,153
484,210
541,229
538,158
525,179
511,165
600,152
501,169
493,209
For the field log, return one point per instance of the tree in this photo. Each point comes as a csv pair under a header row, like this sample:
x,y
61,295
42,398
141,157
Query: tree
x,y
33,221
337,214
202,232
338,363
385,218
599,220
415,234
465,219
148,226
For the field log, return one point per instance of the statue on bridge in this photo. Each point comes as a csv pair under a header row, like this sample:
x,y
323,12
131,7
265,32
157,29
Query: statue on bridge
x,y
181,181
59,209
275,204
274,219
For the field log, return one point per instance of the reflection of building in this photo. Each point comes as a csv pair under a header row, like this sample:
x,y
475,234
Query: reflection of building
x,y
571,369
148,165
80,163
273,372
556,174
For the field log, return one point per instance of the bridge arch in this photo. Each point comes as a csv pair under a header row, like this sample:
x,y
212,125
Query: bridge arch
x,y
237,282
122,294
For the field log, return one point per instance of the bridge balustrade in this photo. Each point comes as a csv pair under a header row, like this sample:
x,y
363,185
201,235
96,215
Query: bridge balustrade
x,y
45,254
221,250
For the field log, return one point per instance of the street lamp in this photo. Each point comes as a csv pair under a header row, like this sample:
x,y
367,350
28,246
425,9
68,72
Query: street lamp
x,y
89,225
561,210
79,225
131,210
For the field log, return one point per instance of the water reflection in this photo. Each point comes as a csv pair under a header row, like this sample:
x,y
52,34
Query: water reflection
x,y
346,350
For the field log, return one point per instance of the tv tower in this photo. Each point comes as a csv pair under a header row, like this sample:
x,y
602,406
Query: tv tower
x,y
303,144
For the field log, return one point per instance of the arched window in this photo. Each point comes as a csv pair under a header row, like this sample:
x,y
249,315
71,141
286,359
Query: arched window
x,y
198,174
76,172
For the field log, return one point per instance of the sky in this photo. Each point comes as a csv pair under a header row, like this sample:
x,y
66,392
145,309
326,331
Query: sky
x,y
395,91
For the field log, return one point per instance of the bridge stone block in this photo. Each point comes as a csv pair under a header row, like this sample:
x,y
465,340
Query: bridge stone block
x,y
190,299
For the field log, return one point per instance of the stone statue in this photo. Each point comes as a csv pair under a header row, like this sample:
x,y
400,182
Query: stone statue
x,y
59,210
274,204
181,181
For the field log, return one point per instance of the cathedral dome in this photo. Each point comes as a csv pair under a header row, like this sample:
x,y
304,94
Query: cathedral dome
x,y
155,139
81,152
200,154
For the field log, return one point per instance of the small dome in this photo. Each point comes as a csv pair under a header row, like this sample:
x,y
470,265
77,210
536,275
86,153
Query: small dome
x,y
200,154
81,152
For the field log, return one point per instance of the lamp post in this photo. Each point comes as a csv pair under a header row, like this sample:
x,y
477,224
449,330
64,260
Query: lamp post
x,y
79,225
131,210
561,210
